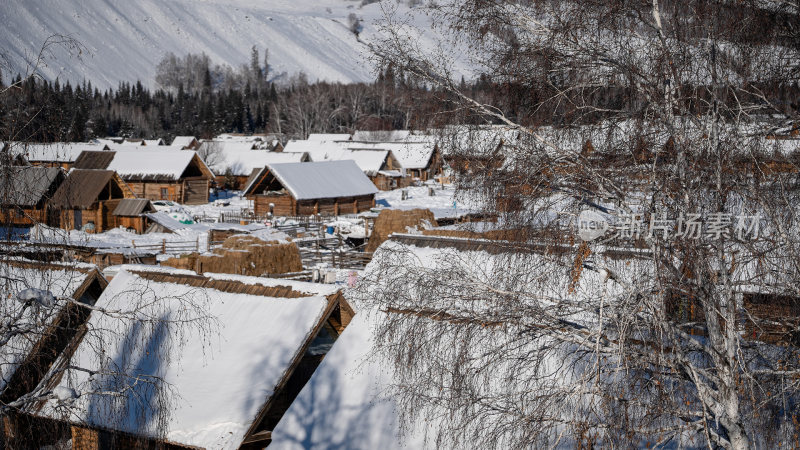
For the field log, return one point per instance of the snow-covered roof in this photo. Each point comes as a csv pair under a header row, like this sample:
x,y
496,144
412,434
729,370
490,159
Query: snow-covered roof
x,y
218,384
227,146
165,220
382,136
348,401
152,164
153,142
314,149
241,162
328,179
369,161
183,141
56,152
344,404
410,155
60,280
238,137
329,137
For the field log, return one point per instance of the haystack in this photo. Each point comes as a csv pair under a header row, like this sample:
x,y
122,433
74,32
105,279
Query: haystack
x,y
398,221
244,255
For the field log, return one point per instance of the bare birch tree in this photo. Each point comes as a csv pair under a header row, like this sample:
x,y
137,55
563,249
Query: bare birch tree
x,y
676,327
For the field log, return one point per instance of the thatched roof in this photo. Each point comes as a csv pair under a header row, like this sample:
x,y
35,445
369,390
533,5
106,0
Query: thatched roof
x,y
28,186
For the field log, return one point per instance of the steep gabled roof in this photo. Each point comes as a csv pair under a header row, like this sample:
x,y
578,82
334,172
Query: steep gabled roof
x,y
82,188
60,280
152,165
184,141
242,162
317,180
220,388
410,155
94,160
28,186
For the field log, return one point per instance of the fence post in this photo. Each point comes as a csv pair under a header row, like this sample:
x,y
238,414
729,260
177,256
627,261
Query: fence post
x,y
222,217
197,244
164,246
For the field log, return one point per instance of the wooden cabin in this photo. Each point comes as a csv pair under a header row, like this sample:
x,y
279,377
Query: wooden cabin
x,y
131,214
178,176
269,336
88,198
328,188
381,166
25,193
420,160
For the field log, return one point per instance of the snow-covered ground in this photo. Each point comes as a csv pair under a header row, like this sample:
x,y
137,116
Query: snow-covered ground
x,y
443,203
126,39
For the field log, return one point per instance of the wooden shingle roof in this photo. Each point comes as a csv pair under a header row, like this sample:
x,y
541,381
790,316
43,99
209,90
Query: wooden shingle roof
x,y
94,160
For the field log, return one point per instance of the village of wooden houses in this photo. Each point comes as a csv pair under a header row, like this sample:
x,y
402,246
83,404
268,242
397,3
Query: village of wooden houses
x,y
269,233
401,224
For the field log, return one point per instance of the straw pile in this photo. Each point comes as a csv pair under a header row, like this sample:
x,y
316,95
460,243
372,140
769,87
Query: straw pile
x,y
493,235
244,255
397,221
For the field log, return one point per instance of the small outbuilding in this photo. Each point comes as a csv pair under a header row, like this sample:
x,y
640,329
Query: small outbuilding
x,y
329,187
131,213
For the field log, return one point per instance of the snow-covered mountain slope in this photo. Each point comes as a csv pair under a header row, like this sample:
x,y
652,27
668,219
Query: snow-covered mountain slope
x,y
126,39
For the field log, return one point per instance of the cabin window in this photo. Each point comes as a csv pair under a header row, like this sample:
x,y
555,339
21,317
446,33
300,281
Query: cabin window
x,y
164,193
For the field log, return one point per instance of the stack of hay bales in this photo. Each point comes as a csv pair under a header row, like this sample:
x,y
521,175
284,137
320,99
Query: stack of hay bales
x,y
397,221
244,255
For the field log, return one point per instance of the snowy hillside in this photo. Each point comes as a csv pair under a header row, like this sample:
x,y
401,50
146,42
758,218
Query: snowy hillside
x,y
126,39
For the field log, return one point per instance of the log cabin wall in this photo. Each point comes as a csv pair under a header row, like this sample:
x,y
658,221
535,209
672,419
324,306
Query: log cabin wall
x,y
16,216
285,205
155,190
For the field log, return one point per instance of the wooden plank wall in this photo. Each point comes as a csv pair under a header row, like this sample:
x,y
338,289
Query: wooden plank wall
x,y
195,191
286,206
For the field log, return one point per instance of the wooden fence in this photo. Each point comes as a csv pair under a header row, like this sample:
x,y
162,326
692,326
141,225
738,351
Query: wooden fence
x,y
168,247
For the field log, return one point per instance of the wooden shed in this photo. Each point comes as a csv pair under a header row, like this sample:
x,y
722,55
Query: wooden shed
x,y
131,213
175,175
87,199
330,188
25,192
268,338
